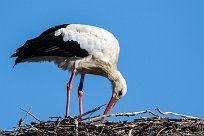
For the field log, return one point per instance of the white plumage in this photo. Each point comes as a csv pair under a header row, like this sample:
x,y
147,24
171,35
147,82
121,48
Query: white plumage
x,y
99,43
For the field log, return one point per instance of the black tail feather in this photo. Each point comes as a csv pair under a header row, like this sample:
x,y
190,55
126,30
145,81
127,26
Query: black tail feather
x,y
14,64
13,55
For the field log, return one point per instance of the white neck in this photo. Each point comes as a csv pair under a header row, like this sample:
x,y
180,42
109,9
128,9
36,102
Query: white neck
x,y
116,78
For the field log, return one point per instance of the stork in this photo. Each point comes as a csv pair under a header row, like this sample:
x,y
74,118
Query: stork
x,y
81,49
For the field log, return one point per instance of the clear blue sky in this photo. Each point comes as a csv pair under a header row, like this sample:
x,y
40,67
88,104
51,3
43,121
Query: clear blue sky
x,y
161,57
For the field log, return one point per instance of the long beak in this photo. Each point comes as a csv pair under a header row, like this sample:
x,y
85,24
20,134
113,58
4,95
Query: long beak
x,y
111,103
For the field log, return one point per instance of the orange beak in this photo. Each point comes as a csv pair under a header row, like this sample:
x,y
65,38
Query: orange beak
x,y
111,103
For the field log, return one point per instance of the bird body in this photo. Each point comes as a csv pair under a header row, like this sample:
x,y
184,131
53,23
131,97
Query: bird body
x,y
79,48
93,42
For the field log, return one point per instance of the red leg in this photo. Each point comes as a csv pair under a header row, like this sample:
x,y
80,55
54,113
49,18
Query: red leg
x,y
80,93
69,88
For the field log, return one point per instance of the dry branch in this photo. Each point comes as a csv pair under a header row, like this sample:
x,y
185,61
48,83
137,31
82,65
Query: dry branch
x,y
123,114
28,112
89,112
21,121
175,114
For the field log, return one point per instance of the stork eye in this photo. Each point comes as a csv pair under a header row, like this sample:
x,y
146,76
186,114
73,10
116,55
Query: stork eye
x,y
120,93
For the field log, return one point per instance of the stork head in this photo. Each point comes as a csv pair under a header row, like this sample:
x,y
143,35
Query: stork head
x,y
119,90
119,87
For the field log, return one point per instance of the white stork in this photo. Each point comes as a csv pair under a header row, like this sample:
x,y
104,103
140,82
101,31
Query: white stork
x,y
80,49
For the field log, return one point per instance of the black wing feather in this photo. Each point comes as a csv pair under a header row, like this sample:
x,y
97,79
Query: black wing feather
x,y
47,44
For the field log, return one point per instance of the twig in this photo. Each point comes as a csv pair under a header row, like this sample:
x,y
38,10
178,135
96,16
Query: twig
x,y
130,132
161,131
123,114
90,117
21,121
101,131
28,112
76,126
88,112
175,114
55,117
124,127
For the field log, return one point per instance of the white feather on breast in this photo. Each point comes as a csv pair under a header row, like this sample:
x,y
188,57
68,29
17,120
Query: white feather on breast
x,y
98,42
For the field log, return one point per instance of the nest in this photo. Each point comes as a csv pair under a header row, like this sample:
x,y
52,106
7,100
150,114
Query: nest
x,y
91,126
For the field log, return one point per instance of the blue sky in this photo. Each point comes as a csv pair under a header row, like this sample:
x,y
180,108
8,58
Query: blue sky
x,y
161,57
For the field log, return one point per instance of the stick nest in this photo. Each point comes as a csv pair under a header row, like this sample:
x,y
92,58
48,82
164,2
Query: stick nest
x,y
182,125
